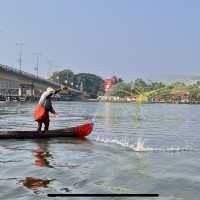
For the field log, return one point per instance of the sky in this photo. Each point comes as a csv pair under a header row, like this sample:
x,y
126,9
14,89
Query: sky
x,y
127,38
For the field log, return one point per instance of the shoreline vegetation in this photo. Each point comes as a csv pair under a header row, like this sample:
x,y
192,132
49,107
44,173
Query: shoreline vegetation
x,y
133,91
94,88
115,99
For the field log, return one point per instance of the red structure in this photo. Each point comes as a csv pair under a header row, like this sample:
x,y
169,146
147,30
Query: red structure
x,y
109,82
107,85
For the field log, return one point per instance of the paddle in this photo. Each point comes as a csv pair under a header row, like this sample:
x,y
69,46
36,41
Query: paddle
x,y
64,88
61,89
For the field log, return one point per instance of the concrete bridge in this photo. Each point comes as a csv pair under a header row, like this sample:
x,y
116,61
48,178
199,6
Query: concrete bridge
x,y
14,82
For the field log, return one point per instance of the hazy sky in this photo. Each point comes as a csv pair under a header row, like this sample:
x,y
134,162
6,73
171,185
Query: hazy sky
x,y
128,38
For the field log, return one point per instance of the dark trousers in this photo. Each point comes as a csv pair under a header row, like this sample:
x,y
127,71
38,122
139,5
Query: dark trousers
x,y
46,125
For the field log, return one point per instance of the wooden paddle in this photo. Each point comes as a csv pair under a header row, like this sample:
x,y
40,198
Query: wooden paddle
x,y
64,88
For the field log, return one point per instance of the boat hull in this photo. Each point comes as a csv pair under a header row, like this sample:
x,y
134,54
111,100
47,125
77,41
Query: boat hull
x,y
78,131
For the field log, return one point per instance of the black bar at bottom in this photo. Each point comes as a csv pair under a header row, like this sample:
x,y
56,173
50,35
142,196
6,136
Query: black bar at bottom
x,y
103,195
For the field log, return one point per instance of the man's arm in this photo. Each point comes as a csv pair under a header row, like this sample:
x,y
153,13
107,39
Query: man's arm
x,y
44,97
51,110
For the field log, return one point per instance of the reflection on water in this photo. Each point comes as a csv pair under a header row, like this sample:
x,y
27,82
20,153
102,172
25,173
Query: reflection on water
x,y
140,165
138,111
35,183
42,154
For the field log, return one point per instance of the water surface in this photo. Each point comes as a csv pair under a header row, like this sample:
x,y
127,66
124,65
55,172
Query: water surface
x,y
154,148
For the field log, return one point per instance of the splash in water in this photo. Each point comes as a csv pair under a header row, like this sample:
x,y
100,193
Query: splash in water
x,y
140,146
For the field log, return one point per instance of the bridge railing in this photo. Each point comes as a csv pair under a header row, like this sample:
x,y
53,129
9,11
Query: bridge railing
x,y
32,77
26,74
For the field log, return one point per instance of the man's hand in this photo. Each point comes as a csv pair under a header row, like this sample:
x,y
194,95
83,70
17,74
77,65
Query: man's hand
x,y
55,114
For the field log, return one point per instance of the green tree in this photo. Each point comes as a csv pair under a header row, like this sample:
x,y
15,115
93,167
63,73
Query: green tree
x,y
92,84
63,77
155,85
136,87
140,84
121,89
194,92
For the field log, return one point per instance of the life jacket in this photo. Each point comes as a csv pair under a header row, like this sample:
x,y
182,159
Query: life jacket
x,y
40,113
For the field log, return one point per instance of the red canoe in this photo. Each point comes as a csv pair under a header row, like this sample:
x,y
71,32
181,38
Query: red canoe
x,y
78,131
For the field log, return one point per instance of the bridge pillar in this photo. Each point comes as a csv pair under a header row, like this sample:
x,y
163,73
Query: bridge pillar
x,y
32,92
20,91
81,87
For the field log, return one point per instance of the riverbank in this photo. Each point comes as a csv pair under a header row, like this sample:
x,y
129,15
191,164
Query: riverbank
x,y
115,99
112,99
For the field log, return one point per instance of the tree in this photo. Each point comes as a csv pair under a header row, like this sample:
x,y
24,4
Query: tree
x,y
194,92
155,85
140,84
123,89
92,84
63,77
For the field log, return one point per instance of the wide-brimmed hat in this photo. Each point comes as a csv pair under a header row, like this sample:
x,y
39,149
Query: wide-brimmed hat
x,y
51,90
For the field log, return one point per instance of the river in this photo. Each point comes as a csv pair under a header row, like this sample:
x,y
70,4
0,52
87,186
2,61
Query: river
x,y
152,148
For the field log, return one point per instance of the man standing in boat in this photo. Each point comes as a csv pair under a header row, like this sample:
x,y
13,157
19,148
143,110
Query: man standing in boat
x,y
44,106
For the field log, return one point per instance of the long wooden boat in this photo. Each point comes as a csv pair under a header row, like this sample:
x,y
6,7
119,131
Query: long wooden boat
x,y
78,131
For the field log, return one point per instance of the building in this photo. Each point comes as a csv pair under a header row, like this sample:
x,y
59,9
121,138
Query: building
x,y
180,96
175,96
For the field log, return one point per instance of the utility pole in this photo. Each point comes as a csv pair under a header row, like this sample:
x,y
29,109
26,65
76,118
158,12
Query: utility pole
x,y
20,45
37,62
50,63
